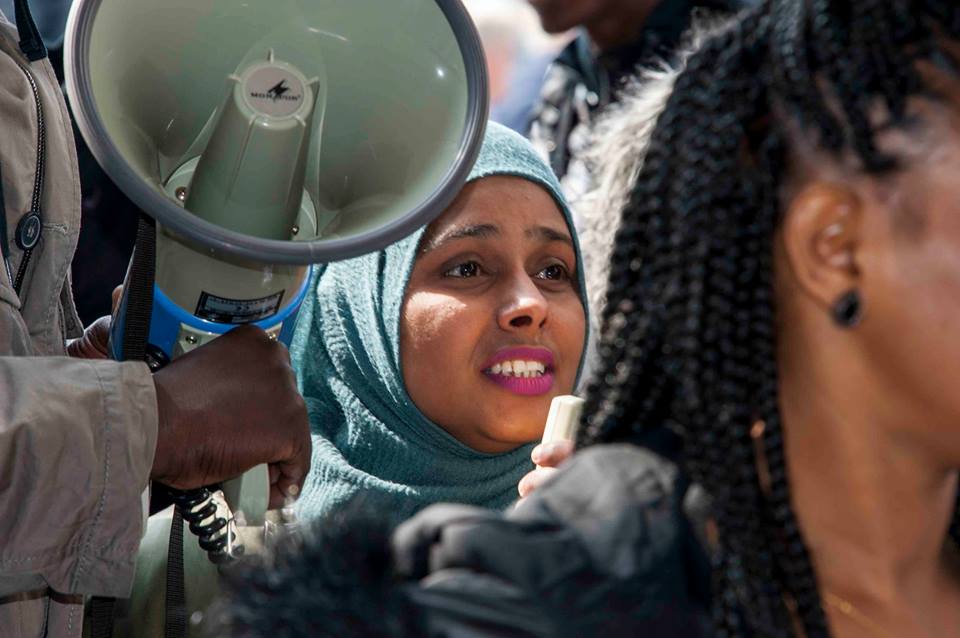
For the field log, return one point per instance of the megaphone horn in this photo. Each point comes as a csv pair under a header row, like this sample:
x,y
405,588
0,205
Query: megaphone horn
x,y
267,136
264,136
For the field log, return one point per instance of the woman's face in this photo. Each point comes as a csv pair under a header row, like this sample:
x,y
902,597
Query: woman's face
x,y
904,259
915,263
492,326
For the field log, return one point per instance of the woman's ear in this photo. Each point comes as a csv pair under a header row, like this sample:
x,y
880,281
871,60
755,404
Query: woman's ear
x,y
821,236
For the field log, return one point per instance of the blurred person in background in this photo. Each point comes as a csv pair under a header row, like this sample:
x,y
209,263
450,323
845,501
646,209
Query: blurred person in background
x,y
616,38
518,53
50,16
619,44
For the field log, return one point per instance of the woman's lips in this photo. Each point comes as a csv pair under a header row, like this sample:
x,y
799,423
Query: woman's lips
x,y
526,386
523,370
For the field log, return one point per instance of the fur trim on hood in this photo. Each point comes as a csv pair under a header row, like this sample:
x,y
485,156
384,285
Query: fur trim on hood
x,y
620,140
621,137
332,579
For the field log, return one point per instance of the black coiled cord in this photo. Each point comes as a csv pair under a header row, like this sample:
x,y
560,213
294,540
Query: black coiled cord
x,y
198,508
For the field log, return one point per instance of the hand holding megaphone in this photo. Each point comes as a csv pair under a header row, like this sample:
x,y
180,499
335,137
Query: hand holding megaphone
x,y
228,406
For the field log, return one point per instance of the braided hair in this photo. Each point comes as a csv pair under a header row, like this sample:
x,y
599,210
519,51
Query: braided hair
x,y
688,337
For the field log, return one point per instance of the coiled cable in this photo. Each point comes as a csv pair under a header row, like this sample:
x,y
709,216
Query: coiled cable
x,y
199,509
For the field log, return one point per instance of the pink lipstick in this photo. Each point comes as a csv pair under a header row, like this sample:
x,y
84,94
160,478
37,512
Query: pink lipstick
x,y
524,370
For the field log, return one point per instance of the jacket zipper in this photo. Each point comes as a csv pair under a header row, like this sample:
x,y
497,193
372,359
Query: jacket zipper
x,y
37,182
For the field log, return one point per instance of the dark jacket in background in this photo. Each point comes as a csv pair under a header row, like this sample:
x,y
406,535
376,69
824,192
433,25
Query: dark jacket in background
x,y
579,84
606,548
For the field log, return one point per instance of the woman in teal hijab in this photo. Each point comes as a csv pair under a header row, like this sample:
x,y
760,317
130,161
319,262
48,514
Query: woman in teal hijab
x,y
428,367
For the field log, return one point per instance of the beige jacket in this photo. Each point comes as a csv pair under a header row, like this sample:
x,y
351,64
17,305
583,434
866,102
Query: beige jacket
x,y
76,437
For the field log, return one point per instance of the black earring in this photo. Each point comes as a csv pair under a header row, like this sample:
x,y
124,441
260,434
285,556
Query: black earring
x,y
848,310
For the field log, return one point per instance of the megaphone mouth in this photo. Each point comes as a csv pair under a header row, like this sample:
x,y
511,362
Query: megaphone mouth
x,y
273,91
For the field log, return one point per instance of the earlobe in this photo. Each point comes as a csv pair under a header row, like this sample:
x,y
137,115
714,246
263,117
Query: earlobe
x,y
821,236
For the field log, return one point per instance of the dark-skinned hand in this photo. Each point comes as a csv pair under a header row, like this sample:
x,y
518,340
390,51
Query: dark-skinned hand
x,y
228,406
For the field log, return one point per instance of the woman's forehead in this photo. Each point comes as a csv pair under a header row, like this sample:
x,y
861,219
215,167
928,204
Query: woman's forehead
x,y
507,203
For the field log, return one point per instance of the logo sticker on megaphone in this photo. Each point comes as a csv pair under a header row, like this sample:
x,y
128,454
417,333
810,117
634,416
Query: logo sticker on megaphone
x,y
274,91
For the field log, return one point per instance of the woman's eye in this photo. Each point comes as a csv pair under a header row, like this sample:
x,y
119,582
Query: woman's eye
x,y
555,272
464,270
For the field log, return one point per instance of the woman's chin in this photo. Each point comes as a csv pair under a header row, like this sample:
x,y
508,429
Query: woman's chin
x,y
510,412
518,420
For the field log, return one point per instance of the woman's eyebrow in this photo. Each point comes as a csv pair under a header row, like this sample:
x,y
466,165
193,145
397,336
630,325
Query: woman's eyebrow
x,y
473,231
546,234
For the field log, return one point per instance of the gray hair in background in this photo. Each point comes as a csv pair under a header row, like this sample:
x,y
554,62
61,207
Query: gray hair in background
x,y
620,140
619,143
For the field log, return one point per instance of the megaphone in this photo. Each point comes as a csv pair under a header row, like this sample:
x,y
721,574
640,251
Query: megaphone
x,y
265,136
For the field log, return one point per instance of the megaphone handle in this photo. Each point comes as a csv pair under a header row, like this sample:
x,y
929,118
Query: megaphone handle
x,y
563,419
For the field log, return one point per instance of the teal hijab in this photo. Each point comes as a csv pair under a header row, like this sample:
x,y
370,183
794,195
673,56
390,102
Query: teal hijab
x,y
368,436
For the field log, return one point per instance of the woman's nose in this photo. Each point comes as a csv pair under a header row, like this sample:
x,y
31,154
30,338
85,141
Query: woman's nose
x,y
524,307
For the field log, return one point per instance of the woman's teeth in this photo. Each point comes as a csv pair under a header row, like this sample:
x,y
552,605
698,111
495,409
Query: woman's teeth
x,y
524,369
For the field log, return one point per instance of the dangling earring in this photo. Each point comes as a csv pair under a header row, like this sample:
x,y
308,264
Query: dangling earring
x,y
848,310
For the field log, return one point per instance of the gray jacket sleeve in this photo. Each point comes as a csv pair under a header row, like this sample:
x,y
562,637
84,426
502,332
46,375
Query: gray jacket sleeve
x,y
77,439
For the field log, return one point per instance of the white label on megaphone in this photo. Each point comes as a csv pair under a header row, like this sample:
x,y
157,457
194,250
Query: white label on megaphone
x,y
274,91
